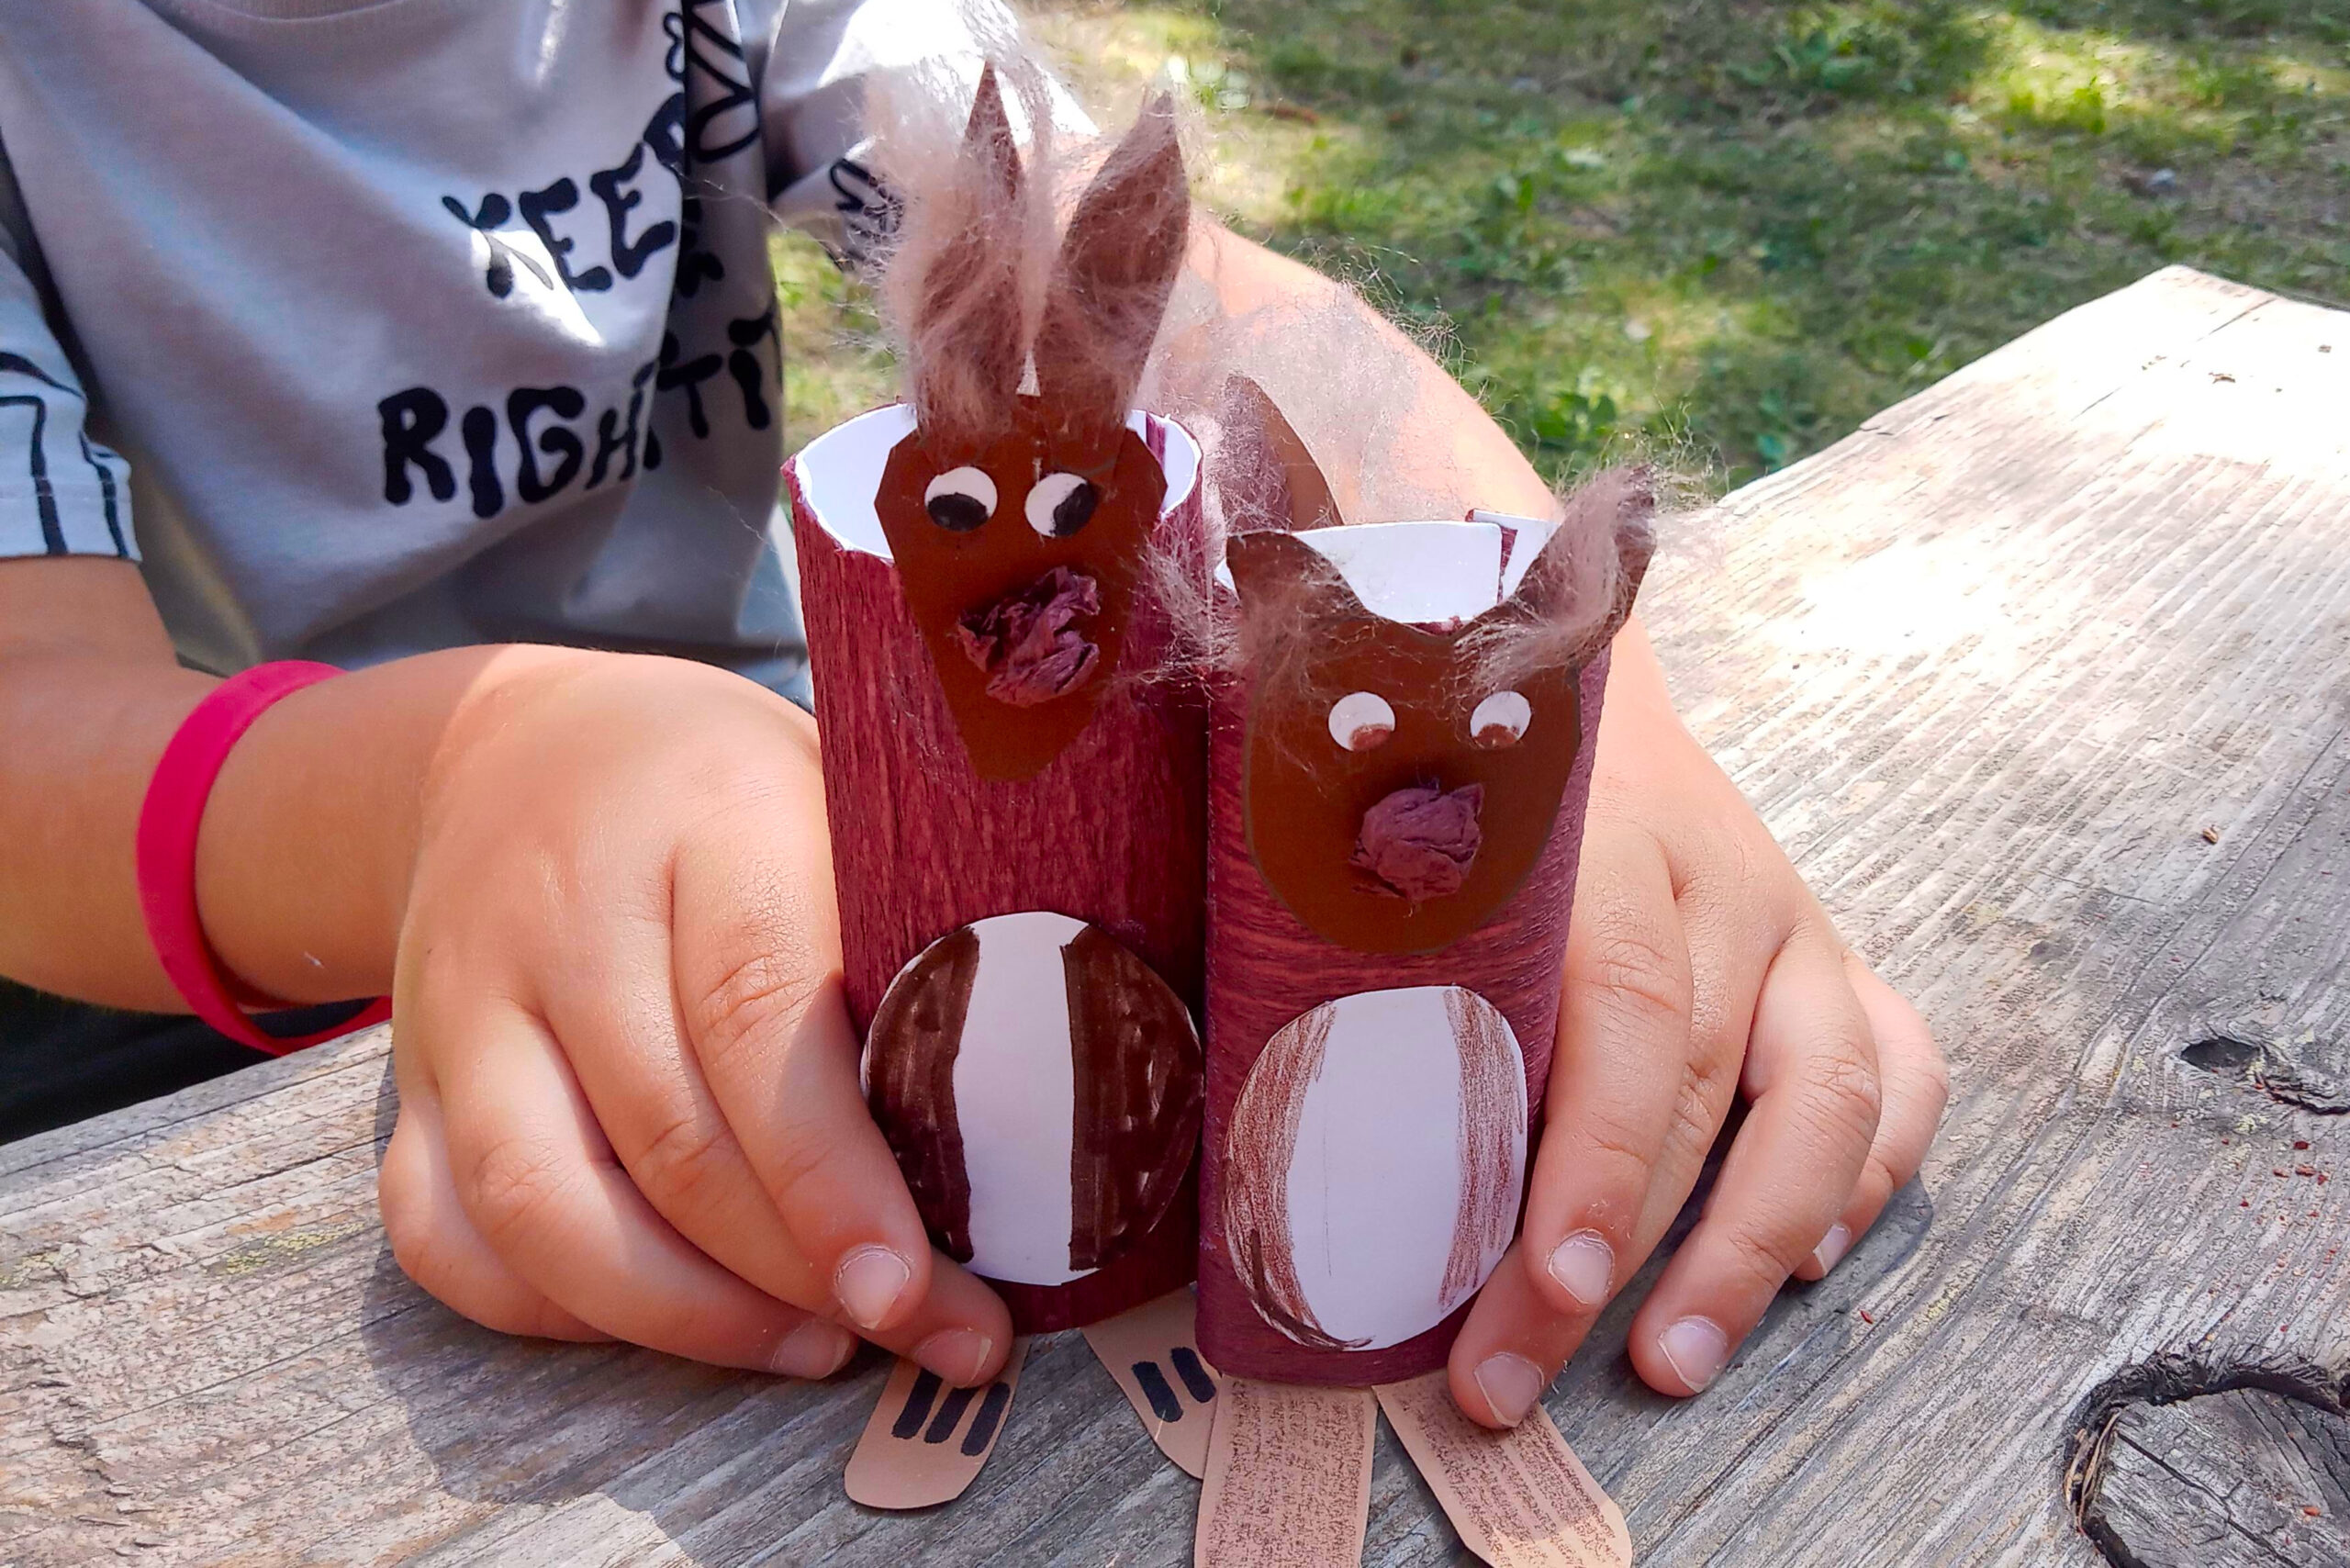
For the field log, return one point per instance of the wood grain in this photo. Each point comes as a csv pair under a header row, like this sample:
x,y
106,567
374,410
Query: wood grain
x,y
2245,1479
1989,667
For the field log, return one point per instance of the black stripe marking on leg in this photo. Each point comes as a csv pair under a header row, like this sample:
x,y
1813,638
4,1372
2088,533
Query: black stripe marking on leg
x,y
1195,1375
917,1410
949,1416
983,1424
1153,1383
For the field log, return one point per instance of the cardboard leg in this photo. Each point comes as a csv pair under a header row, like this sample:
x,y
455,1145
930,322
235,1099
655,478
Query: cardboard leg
x,y
925,1442
1289,1477
1153,1353
1519,1498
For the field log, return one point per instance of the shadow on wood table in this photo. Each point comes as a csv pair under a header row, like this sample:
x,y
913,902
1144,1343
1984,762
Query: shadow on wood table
x,y
2043,677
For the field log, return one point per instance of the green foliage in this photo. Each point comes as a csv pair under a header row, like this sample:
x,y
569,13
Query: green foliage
x,y
1570,425
1878,51
2319,21
1736,228
2080,112
1749,224
834,365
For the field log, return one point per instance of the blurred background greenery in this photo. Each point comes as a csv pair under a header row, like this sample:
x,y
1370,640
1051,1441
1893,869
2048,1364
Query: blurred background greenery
x,y
1739,226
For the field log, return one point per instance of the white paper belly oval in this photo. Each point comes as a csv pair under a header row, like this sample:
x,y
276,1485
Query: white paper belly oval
x,y
1381,1186
1014,1089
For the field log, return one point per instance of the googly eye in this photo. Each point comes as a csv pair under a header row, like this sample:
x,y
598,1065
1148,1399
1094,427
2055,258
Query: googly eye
x,y
960,500
1500,719
1361,721
1060,504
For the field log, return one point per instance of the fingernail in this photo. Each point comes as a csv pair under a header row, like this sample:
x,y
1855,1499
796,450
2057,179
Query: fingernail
x,y
813,1350
1511,1385
869,1283
1832,1247
1696,1350
1584,1265
955,1354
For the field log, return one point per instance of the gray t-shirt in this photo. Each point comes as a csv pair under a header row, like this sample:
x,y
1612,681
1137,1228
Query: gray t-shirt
x,y
376,326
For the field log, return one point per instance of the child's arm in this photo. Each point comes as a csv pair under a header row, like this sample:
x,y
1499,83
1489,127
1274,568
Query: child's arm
x,y
601,886
1699,964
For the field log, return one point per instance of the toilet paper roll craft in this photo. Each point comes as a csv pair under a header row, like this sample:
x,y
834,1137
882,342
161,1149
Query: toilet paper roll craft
x,y
1400,760
1015,793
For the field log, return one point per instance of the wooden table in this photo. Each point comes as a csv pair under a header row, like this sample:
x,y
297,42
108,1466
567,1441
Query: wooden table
x,y
2043,677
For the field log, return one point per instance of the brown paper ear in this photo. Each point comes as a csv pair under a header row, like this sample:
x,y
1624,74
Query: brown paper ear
x,y
1109,287
1265,474
968,347
1280,576
1618,504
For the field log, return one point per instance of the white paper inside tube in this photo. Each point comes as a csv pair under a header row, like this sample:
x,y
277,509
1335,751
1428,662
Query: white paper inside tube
x,y
1429,573
840,471
1375,1185
1523,538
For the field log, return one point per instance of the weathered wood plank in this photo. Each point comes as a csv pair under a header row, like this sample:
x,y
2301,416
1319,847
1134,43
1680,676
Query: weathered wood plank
x,y
2244,1479
1990,667
1991,673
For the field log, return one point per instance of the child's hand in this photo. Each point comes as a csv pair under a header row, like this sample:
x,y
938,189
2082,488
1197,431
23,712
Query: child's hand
x,y
1699,964
629,1097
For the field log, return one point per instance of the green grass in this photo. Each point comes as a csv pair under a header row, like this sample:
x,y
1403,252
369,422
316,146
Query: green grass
x,y
1741,225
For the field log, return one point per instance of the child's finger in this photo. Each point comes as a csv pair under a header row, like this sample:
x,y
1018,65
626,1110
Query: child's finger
x,y
436,1245
1812,1073
543,1188
1623,1039
1737,918
1512,1345
770,1029
665,1125
616,1016
1915,1086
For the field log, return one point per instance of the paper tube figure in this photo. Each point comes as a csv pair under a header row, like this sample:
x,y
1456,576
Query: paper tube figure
x,y
1398,772
1017,805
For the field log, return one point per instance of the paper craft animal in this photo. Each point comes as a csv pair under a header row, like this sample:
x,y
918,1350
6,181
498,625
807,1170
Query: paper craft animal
x,y
1391,803
1017,812
1017,806
1398,777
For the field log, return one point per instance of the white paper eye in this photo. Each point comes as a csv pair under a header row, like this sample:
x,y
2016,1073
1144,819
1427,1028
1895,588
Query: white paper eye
x,y
1500,719
1060,504
960,500
1361,720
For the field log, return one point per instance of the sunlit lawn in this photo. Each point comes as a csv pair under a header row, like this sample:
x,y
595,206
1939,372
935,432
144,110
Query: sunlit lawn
x,y
1742,226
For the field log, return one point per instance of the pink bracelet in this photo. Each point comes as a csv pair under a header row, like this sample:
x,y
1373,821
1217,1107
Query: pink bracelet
x,y
168,823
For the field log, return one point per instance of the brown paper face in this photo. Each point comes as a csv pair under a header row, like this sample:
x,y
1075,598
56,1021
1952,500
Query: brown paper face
x,y
1307,795
975,559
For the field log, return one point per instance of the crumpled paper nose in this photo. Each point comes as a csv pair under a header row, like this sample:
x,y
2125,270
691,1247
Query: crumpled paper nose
x,y
1420,842
1031,641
